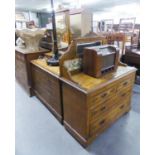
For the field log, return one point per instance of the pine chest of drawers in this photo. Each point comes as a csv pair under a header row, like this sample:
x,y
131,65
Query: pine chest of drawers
x,y
91,105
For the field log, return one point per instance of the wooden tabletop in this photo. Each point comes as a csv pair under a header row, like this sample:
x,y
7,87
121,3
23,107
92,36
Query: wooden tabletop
x,y
88,82
83,80
49,54
41,63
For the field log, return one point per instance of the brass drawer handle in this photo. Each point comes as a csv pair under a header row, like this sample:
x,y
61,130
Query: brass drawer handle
x,y
104,95
122,106
124,94
103,108
94,112
125,83
102,122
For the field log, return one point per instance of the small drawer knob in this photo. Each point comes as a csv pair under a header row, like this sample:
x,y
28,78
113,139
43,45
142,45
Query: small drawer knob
x,y
103,108
104,95
125,83
123,94
102,122
122,106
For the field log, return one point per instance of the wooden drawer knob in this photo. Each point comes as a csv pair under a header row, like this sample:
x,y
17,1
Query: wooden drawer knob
x,y
125,83
104,95
102,122
103,108
124,94
122,106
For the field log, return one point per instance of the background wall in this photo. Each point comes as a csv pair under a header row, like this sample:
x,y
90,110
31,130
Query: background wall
x,y
27,16
120,11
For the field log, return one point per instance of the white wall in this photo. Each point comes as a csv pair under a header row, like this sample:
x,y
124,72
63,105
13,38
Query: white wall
x,y
122,11
30,16
33,16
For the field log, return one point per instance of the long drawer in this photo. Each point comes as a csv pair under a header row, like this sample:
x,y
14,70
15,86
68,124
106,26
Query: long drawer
x,y
103,106
125,83
104,109
104,94
103,122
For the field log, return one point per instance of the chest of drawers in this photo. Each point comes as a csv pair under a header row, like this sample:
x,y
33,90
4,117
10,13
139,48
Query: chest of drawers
x,y
22,67
91,105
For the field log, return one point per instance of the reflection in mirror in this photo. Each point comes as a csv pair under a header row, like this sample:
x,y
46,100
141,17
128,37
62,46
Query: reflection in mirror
x,y
63,28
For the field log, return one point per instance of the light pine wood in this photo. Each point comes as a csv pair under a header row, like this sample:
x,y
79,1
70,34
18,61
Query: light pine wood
x,y
42,64
49,54
92,105
88,82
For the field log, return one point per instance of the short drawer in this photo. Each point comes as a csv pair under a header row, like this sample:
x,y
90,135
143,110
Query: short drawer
x,y
99,125
102,120
105,109
125,83
103,96
124,94
102,109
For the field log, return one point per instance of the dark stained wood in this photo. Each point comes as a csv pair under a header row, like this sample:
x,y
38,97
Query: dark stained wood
x,y
22,66
46,86
132,58
96,65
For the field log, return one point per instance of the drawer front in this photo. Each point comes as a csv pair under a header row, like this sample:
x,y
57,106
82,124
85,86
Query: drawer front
x,y
122,95
105,102
97,126
101,111
104,120
125,83
109,103
102,96
118,111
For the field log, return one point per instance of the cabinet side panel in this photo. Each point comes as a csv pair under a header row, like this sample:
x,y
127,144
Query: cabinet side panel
x,y
47,89
75,109
21,71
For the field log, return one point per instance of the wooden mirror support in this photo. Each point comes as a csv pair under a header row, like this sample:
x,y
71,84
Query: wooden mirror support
x,y
71,54
68,55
